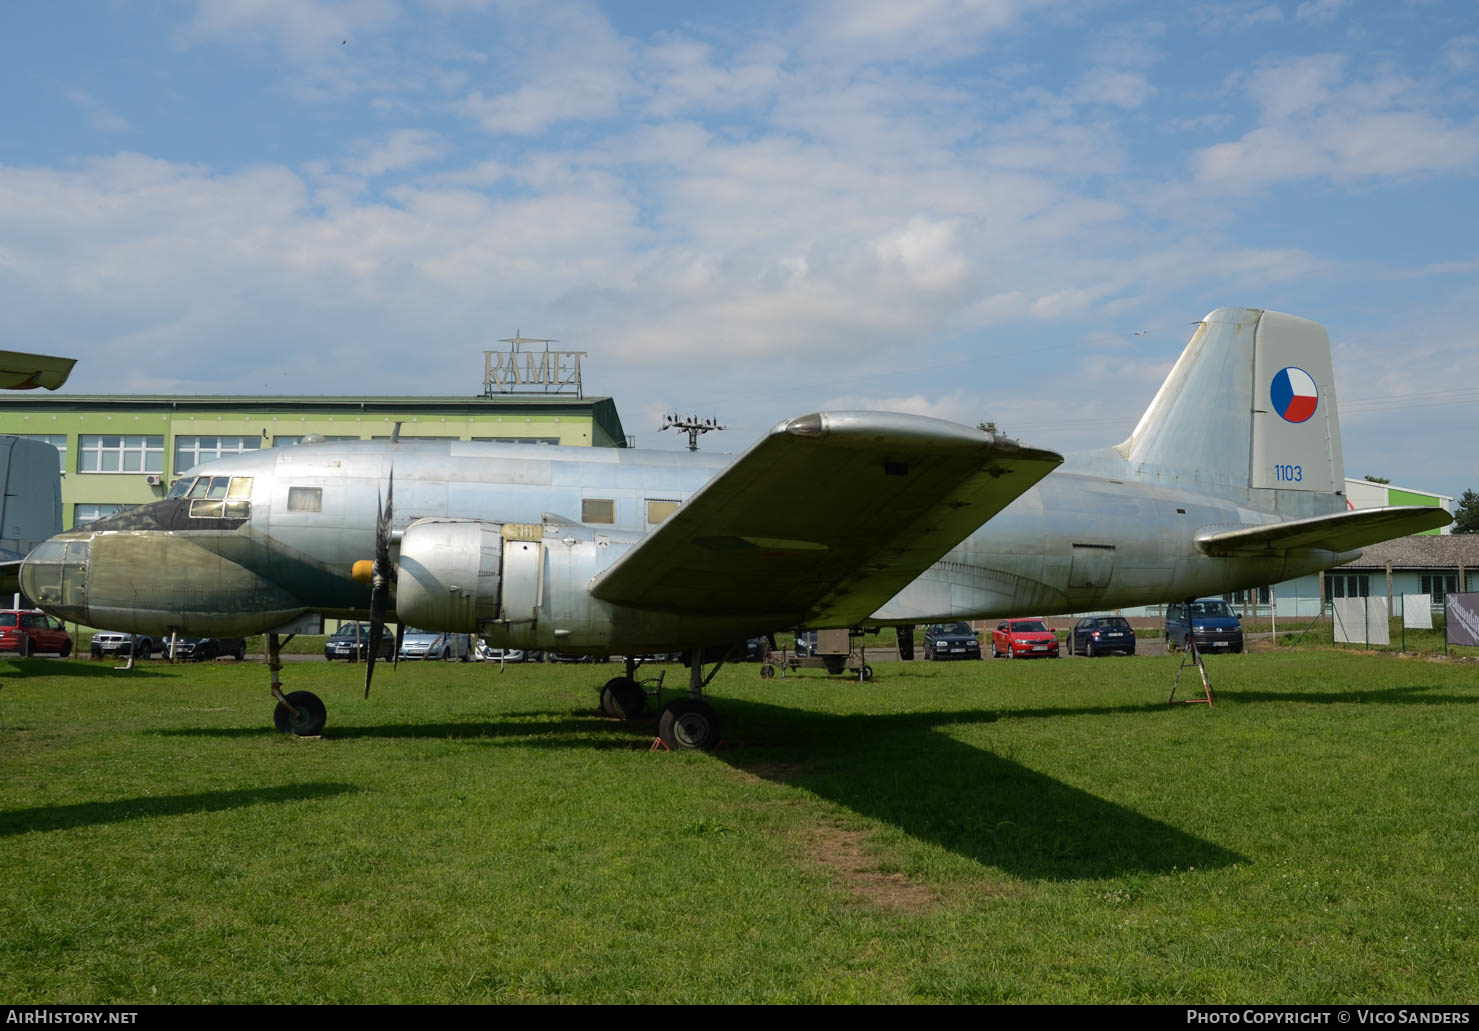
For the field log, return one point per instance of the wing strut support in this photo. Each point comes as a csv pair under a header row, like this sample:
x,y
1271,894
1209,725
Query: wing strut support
x,y
1192,656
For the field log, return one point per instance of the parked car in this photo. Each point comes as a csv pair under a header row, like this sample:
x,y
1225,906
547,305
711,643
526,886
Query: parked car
x,y
951,641
1100,635
486,653
431,644
572,657
351,642
27,632
1023,639
204,649
115,642
1212,622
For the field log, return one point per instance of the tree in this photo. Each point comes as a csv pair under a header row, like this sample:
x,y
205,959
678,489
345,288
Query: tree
x,y
989,427
1466,516
1377,479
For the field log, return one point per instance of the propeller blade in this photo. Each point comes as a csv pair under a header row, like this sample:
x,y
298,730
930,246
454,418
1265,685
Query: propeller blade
x,y
400,639
380,581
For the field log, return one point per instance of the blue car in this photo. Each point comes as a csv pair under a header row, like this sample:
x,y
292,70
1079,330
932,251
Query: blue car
x,y
1212,623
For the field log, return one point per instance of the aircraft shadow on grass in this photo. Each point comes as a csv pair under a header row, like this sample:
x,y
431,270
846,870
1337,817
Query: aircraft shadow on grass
x,y
91,814
898,769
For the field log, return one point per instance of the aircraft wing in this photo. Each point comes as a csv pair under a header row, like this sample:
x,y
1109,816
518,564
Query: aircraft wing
x,y
1343,531
21,371
826,518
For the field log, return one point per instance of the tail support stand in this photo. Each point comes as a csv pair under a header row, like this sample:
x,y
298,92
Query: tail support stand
x,y
1193,656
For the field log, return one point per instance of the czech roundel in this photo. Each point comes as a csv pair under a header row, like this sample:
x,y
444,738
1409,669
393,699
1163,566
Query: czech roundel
x,y
1294,394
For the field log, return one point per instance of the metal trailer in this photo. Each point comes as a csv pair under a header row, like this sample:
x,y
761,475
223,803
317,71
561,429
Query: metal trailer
x,y
831,650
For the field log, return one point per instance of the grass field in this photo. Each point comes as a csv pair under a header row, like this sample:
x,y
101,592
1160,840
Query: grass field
x,y
970,832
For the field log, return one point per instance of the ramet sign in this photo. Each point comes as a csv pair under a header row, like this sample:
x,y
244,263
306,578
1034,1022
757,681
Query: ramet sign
x,y
517,371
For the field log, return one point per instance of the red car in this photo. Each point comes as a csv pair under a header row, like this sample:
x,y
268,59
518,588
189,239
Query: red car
x,y
1023,639
30,632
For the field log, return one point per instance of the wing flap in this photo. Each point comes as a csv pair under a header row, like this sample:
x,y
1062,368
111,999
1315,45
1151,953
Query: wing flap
x,y
825,518
1343,531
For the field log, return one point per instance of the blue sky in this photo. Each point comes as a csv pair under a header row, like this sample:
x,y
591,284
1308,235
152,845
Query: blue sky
x,y
1002,209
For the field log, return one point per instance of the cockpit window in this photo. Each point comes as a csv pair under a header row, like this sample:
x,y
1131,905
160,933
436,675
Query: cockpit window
x,y
221,497
181,487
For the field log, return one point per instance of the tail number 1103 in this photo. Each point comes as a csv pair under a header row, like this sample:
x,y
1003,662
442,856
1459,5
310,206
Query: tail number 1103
x,y
1288,473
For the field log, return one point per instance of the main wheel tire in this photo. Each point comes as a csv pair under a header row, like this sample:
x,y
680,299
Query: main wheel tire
x,y
835,664
689,725
310,719
626,698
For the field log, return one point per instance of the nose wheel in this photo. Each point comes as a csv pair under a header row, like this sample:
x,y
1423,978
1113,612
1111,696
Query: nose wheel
x,y
302,712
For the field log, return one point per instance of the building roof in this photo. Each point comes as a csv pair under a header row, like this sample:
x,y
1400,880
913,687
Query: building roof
x,y
1422,551
602,410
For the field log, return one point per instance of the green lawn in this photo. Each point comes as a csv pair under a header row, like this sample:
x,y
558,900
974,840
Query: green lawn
x,y
968,832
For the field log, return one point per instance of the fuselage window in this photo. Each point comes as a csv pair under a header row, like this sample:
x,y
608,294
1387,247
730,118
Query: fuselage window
x,y
305,499
598,510
657,511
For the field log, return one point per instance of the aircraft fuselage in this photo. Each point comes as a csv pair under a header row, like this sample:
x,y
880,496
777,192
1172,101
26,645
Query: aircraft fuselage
x,y
274,534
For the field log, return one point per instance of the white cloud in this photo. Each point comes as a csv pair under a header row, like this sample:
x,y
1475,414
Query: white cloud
x,y
402,149
304,29
1319,12
98,116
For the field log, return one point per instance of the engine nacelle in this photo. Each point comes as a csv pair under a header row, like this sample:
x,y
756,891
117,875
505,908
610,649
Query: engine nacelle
x,y
449,576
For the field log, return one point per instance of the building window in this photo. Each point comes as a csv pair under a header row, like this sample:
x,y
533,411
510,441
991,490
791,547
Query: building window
x,y
191,451
597,510
83,514
289,439
56,440
519,440
106,453
1347,586
1439,585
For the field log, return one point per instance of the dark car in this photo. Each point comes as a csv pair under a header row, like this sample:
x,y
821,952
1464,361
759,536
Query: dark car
x,y
204,649
29,632
951,641
1100,635
1212,622
116,642
351,642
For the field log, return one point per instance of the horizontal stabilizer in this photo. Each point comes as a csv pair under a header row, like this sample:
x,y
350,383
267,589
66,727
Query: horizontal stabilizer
x,y
21,371
1343,531
825,518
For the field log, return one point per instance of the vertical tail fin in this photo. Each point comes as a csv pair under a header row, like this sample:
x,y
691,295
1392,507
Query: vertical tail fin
x,y
1249,404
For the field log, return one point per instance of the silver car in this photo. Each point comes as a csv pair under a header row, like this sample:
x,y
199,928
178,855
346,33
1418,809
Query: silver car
x,y
432,644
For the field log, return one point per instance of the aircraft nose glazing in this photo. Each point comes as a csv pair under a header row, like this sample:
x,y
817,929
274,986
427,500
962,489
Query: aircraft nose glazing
x,y
54,576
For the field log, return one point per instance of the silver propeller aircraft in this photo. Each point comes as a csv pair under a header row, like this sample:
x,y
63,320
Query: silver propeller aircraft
x,y
1233,478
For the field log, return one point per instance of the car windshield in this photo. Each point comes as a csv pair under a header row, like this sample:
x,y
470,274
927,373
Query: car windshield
x,y
413,632
363,630
950,628
1028,626
1212,608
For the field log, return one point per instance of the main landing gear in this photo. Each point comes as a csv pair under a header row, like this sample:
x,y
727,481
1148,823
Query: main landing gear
x,y
684,723
301,712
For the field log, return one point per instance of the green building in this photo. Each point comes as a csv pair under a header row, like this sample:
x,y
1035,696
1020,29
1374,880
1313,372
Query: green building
x,y
120,451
